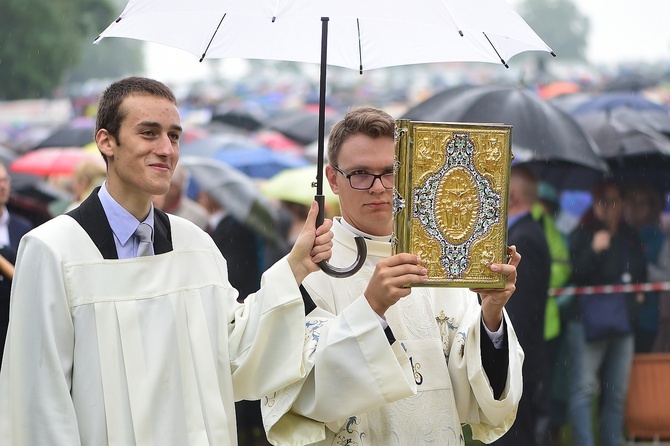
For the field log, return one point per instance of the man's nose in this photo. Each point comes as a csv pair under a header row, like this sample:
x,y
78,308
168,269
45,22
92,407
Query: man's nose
x,y
377,185
168,147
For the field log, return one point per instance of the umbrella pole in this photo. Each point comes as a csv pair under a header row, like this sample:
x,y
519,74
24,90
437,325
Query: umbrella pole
x,y
362,248
322,119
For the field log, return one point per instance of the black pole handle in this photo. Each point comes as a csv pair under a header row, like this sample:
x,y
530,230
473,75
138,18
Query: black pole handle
x,y
361,247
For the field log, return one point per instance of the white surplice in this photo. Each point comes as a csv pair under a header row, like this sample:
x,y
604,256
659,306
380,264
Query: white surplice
x,y
418,390
144,351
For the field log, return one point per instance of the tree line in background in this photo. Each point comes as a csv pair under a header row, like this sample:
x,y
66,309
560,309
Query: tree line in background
x,y
560,24
45,44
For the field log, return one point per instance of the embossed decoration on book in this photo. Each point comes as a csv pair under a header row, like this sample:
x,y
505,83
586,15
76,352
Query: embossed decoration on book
x,y
458,205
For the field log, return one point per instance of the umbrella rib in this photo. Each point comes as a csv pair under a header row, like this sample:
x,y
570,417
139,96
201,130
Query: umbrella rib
x,y
360,50
496,50
214,34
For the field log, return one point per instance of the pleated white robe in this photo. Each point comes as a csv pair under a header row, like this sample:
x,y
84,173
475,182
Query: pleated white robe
x,y
145,351
363,391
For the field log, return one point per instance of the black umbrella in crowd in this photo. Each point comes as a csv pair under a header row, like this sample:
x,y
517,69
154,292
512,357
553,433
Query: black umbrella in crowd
x,y
31,196
632,133
69,136
546,138
568,102
626,133
630,82
300,125
239,118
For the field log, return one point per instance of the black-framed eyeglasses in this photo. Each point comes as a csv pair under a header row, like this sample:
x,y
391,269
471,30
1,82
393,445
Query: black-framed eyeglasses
x,y
364,181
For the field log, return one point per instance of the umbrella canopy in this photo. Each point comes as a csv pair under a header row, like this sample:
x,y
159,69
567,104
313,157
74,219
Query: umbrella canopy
x,y
278,141
541,132
627,133
607,102
210,146
295,185
237,193
69,136
260,163
625,125
300,125
365,35
193,133
633,134
32,196
53,161
239,118
569,102
559,88
630,81
36,188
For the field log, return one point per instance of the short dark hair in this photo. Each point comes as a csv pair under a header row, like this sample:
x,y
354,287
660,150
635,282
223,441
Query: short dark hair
x,y
370,121
110,114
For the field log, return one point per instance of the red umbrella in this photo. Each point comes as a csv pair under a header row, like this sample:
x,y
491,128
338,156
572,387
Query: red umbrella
x,y
53,161
277,141
558,88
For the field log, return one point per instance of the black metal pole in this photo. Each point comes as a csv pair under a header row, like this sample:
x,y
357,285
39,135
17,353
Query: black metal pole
x,y
319,197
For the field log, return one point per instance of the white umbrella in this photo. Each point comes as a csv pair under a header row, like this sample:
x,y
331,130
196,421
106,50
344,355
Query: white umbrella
x,y
366,34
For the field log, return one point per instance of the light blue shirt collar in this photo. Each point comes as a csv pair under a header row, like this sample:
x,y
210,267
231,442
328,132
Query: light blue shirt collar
x,y
123,223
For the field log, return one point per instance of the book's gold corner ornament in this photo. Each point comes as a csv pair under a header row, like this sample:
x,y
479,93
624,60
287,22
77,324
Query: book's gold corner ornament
x,y
450,199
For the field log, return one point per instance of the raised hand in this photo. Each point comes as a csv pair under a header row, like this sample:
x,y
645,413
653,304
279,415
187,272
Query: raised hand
x,y
494,299
312,245
389,280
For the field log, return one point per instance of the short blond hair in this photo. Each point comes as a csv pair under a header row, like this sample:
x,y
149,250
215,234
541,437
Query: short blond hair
x,y
366,120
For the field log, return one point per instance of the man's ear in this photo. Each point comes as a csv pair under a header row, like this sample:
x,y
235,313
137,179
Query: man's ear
x,y
106,143
331,174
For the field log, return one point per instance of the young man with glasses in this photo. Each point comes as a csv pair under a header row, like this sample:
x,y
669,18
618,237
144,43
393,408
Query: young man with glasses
x,y
394,365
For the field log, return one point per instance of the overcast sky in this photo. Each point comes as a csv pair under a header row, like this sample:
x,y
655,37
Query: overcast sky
x,y
628,30
621,31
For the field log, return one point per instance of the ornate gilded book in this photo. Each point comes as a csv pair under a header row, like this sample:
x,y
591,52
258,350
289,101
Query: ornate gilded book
x,y
450,199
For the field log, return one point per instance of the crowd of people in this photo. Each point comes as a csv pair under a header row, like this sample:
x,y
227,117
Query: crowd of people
x,y
589,339
199,335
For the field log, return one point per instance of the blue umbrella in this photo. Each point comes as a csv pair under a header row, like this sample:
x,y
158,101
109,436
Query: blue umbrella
x,y
610,101
211,146
260,163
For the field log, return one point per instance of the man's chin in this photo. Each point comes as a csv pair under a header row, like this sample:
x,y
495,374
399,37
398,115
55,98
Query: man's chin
x,y
379,227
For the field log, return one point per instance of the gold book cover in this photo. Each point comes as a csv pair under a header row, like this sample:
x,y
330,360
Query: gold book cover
x,y
450,199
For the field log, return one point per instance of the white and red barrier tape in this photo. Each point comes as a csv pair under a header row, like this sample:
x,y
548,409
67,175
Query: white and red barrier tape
x,y
604,289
